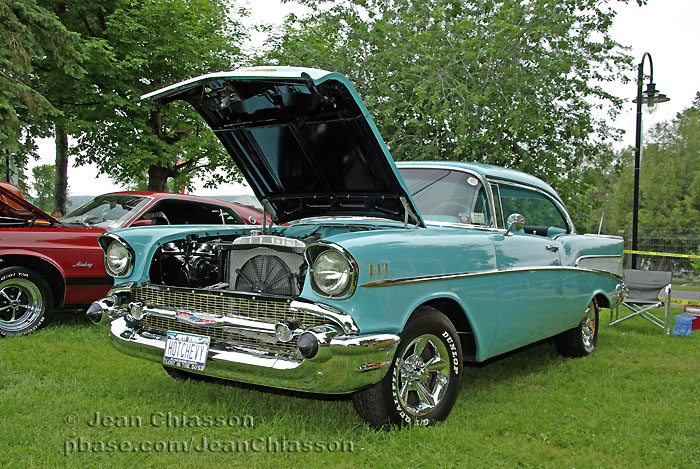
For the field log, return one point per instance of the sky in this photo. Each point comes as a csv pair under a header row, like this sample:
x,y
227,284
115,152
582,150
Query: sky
x,y
667,29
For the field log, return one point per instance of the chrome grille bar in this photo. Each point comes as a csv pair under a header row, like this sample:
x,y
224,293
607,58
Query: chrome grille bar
x,y
163,324
269,311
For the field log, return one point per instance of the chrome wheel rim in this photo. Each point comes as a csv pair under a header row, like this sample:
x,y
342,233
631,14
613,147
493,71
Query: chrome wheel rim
x,y
422,374
20,304
588,326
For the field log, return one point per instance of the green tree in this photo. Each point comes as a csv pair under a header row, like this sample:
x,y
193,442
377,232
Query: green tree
x,y
75,99
13,163
618,204
597,187
137,138
507,82
669,190
42,186
134,47
669,182
30,35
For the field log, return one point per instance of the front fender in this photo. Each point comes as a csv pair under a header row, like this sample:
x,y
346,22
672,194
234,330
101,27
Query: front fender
x,y
34,254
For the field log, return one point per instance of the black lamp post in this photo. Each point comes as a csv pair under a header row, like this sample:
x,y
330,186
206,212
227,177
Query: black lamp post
x,y
651,97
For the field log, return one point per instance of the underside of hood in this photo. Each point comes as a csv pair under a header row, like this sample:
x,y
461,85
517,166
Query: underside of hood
x,y
15,210
303,140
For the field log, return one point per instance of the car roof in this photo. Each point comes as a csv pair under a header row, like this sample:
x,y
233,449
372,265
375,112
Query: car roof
x,y
491,172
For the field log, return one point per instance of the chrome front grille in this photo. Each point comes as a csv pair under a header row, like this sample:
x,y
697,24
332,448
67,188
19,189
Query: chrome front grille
x,y
264,310
267,311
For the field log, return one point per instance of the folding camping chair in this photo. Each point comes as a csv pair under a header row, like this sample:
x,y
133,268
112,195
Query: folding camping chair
x,y
644,289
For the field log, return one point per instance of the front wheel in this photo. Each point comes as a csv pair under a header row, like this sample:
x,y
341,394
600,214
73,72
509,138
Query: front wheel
x,y
581,340
24,301
422,384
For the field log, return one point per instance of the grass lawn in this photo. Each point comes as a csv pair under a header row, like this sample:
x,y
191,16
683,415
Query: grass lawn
x,y
635,402
686,281
685,287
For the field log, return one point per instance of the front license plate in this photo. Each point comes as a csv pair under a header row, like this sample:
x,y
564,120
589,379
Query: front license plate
x,y
187,351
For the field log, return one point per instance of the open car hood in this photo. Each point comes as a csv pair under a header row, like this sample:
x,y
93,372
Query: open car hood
x,y
303,140
16,210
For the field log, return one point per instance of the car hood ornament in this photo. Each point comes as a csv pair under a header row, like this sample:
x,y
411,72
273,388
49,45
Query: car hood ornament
x,y
303,139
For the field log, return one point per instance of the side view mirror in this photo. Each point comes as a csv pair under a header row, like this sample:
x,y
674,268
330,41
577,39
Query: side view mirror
x,y
515,223
143,222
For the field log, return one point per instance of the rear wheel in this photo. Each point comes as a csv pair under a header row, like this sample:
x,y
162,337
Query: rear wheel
x,y
581,340
25,301
422,384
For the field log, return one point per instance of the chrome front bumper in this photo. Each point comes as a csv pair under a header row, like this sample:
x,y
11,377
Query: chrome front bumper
x,y
344,362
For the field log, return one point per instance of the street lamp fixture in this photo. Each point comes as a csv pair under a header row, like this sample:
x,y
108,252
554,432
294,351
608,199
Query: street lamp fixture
x,y
651,97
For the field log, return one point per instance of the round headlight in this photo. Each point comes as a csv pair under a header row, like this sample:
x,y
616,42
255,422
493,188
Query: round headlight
x,y
332,272
117,259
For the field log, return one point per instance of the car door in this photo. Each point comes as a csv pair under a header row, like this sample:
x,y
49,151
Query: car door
x,y
531,281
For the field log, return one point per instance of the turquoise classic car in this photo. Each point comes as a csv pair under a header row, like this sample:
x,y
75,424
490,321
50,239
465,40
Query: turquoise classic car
x,y
385,278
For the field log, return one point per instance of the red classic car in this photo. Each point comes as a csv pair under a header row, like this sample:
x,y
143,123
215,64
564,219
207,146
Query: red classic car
x,y
48,264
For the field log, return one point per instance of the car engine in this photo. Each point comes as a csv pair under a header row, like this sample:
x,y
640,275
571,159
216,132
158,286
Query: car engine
x,y
261,264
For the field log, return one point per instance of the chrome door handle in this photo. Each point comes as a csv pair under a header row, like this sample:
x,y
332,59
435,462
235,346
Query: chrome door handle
x,y
551,247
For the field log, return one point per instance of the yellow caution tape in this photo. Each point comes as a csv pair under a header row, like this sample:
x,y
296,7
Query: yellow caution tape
x,y
666,254
679,301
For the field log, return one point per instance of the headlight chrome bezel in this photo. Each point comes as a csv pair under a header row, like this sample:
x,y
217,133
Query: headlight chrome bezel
x,y
314,252
109,242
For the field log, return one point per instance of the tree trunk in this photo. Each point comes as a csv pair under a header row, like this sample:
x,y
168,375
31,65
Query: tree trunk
x,y
7,165
61,183
158,177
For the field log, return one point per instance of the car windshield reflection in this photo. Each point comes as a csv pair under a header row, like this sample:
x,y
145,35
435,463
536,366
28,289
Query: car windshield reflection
x,y
447,196
106,211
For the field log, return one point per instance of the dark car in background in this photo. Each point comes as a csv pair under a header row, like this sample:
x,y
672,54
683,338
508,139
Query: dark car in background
x,y
48,264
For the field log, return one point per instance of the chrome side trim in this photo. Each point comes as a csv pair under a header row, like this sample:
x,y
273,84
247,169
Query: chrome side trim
x,y
427,278
604,236
595,256
433,278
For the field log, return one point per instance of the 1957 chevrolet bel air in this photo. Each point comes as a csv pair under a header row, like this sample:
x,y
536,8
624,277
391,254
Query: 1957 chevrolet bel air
x,y
386,278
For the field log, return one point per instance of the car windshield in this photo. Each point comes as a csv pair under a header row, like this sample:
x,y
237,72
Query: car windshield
x,y
106,211
447,196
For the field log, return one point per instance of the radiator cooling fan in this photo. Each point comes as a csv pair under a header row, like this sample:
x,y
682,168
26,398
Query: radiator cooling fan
x,y
265,274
